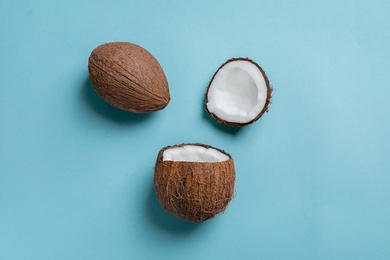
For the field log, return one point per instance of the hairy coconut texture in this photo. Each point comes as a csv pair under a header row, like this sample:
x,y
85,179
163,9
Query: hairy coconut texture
x,y
128,77
239,93
194,182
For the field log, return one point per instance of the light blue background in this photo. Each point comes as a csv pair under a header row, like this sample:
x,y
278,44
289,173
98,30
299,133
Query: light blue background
x,y
312,175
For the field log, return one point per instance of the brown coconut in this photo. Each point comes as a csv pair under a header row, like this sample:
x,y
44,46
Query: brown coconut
x,y
267,98
194,191
128,77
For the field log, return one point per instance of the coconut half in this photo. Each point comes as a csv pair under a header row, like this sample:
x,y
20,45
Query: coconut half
x,y
239,92
194,182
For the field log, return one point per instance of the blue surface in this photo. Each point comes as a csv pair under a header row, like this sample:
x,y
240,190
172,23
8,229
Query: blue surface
x,y
312,175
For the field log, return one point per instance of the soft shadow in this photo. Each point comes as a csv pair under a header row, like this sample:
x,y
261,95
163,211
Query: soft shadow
x,y
99,106
160,218
222,127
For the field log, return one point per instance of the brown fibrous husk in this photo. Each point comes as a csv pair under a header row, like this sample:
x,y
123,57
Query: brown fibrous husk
x,y
128,77
194,191
268,100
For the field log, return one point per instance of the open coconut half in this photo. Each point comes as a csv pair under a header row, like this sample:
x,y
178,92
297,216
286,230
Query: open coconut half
x,y
239,93
194,182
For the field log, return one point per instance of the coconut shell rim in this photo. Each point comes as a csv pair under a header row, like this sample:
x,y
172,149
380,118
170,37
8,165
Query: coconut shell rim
x,y
268,100
162,150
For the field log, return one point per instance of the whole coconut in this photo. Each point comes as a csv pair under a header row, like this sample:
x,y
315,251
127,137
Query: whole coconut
x,y
194,182
128,77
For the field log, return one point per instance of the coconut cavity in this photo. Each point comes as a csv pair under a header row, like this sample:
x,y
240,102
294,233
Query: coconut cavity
x,y
194,182
194,153
239,93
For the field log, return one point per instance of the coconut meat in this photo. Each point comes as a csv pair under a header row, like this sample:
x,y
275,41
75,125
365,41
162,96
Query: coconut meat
x,y
238,92
194,153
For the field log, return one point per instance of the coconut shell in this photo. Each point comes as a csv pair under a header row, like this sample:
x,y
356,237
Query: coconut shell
x,y
267,101
194,191
128,77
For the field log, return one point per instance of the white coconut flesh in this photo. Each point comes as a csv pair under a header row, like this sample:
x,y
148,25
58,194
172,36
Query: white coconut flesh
x,y
238,92
194,153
